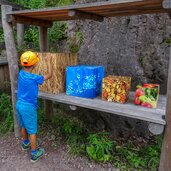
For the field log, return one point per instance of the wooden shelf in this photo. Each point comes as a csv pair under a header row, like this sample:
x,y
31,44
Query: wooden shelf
x,y
128,109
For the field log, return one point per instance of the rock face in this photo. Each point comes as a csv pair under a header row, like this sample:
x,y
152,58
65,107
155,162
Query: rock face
x,y
136,46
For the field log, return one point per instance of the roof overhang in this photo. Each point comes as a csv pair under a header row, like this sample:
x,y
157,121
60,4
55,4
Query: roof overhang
x,y
94,11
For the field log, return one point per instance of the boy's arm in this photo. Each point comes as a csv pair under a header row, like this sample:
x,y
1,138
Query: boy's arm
x,y
49,67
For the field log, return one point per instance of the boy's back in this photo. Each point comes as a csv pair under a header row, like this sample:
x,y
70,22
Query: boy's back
x,y
28,87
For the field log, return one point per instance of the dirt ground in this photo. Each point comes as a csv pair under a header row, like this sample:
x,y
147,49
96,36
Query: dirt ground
x,y
12,158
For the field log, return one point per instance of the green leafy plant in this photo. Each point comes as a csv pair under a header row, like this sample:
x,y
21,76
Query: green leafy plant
x,y
31,36
74,43
42,3
167,41
57,32
99,147
74,133
1,35
6,114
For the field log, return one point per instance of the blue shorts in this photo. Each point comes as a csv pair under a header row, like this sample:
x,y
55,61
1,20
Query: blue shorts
x,y
27,116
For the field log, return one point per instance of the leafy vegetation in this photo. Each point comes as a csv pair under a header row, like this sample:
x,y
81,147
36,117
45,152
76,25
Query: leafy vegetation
x,y
41,3
128,156
99,147
1,35
167,41
6,117
75,42
56,32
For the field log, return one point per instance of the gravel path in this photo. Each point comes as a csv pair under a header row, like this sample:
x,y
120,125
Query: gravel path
x,y
12,158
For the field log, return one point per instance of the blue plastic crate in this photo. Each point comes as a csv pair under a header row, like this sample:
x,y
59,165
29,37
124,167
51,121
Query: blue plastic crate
x,y
84,81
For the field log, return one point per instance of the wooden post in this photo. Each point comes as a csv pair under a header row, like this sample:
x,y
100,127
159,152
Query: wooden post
x,y
165,160
43,38
20,35
43,41
12,58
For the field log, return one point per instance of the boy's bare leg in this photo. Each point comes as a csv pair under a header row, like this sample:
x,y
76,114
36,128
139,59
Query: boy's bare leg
x,y
33,141
24,134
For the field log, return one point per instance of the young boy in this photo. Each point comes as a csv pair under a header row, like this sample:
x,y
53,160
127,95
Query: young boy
x,y
27,101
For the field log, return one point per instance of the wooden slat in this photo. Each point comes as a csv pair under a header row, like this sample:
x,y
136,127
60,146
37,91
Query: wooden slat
x,y
83,15
128,110
27,20
93,6
105,9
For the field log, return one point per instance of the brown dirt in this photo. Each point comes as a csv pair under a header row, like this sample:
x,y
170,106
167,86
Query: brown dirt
x,y
12,158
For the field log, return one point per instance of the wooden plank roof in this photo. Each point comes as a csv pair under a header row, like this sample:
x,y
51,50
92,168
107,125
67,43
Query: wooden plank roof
x,y
96,10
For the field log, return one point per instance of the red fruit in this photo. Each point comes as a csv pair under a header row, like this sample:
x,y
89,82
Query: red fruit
x,y
137,101
139,92
149,105
146,104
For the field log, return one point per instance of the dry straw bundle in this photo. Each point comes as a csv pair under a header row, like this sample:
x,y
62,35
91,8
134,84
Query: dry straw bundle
x,y
56,84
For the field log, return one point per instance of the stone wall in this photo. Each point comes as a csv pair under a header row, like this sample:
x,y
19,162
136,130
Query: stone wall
x,y
136,46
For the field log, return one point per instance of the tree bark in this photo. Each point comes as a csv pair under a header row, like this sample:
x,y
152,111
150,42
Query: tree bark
x,y
12,58
43,41
165,160
20,35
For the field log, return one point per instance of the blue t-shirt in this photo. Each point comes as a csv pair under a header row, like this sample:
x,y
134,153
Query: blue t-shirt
x,y
28,87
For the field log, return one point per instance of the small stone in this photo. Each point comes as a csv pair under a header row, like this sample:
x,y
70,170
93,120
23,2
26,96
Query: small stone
x,y
90,166
53,137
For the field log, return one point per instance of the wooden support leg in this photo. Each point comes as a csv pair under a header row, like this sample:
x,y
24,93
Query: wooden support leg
x,y
12,58
43,41
20,35
165,160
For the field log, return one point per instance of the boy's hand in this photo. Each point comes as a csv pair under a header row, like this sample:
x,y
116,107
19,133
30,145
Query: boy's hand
x,y
48,58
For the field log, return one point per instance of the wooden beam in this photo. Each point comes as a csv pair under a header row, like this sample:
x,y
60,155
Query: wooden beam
x,y
12,58
29,21
165,160
43,41
84,15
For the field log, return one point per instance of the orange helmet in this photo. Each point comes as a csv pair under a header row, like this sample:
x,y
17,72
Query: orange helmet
x,y
29,58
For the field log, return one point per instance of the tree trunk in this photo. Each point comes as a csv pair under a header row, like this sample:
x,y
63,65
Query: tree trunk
x,y
12,58
165,160
43,41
